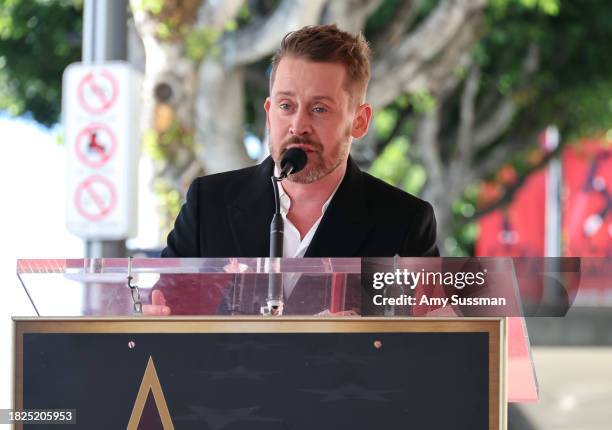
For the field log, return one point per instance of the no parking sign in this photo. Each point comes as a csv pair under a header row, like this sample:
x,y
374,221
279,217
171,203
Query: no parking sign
x,y
100,106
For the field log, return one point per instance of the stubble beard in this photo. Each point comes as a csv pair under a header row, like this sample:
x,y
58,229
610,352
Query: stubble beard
x,y
317,167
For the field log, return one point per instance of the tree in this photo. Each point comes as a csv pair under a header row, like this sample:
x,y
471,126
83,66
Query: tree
x,y
203,62
538,63
458,86
38,39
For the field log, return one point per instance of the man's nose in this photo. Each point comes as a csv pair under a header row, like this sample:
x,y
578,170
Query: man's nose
x,y
300,124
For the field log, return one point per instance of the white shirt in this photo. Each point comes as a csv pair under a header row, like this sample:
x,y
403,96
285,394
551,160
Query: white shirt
x,y
293,245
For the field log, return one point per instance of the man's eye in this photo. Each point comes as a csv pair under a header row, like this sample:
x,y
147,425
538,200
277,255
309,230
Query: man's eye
x,y
319,109
284,106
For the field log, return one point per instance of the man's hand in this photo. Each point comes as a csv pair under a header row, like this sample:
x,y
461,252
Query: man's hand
x,y
158,305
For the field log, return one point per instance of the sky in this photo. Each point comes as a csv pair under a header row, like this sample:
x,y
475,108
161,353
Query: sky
x,y
32,218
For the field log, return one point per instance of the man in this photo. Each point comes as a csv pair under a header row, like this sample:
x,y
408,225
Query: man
x,y
331,209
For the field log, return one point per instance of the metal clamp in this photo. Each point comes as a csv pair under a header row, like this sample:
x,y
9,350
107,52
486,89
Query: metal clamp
x,y
134,290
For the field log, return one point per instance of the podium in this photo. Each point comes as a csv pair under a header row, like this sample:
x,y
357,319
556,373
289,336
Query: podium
x,y
333,360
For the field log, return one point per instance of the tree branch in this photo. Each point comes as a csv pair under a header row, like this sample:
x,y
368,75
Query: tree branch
x,y
492,162
445,31
401,120
426,139
461,157
467,143
467,112
350,15
511,190
450,82
215,14
402,19
369,147
260,39
494,126
433,75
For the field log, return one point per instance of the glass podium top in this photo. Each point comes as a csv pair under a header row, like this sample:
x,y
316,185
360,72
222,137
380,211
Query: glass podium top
x,y
421,287
328,287
242,286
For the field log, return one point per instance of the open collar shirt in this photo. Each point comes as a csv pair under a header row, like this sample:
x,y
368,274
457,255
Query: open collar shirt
x,y
294,246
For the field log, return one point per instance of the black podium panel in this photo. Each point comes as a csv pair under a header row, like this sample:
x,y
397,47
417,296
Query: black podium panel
x,y
289,380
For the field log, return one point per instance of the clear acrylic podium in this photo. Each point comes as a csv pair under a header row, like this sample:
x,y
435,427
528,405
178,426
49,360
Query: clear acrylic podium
x,y
333,360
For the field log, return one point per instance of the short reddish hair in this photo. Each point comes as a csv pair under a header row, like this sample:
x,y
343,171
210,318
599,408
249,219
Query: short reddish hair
x,y
329,44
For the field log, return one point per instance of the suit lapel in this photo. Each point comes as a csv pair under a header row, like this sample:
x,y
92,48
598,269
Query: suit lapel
x,y
250,213
345,223
344,226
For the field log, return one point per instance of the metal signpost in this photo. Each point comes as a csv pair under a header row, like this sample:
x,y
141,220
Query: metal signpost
x,y
100,114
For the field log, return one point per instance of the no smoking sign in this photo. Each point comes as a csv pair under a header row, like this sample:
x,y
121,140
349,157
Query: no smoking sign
x,y
95,198
98,91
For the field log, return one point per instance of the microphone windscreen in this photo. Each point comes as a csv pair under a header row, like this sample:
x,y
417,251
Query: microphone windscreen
x,y
296,157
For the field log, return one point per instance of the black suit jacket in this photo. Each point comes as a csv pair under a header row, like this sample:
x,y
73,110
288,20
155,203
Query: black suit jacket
x,y
228,215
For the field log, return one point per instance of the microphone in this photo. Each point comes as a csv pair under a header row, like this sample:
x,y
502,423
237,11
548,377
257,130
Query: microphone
x,y
293,161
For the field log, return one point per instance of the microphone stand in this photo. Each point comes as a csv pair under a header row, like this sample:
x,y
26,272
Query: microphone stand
x,y
293,161
277,225
275,303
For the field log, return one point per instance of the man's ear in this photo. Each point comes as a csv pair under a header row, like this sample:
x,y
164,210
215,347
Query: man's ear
x,y
267,104
361,122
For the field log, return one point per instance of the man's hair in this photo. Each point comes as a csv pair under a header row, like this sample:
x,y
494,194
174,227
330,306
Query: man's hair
x,y
329,44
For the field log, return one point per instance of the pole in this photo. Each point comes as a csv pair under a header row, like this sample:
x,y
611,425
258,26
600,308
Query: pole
x,y
104,39
553,296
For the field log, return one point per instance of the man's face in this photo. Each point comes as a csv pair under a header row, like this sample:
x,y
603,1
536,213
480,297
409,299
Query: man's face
x,y
309,107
